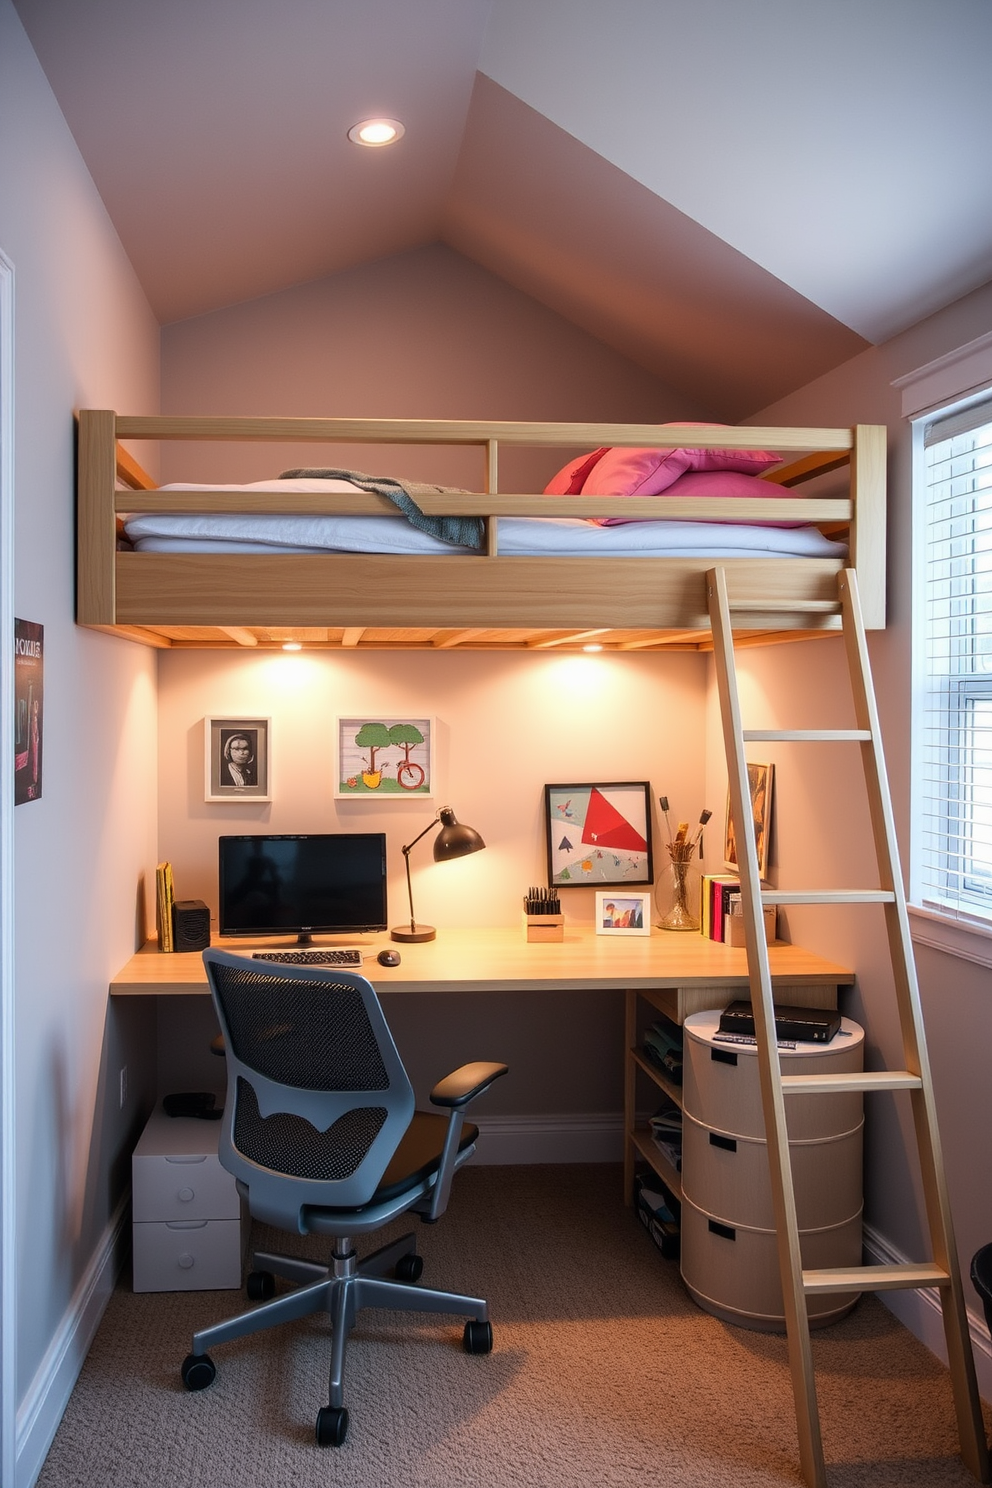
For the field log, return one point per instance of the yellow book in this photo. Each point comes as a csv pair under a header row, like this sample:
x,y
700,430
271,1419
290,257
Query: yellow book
x,y
164,899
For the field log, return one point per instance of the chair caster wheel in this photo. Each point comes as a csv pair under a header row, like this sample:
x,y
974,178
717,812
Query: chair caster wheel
x,y
260,1286
409,1268
198,1371
478,1337
332,1425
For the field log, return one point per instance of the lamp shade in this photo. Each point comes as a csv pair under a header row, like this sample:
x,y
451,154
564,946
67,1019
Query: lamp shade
x,y
454,839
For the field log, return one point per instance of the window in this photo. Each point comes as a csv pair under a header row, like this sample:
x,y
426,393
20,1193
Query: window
x,y
953,857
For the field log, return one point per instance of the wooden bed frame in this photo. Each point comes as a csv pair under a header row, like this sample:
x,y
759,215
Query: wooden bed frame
x,y
480,601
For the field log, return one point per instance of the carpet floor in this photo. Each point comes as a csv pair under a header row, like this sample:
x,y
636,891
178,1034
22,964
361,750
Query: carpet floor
x,y
604,1373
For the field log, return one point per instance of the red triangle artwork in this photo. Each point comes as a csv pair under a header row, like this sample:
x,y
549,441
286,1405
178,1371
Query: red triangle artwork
x,y
605,826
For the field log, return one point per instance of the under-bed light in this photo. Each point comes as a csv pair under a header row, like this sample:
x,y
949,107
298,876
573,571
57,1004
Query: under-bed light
x,y
292,645
593,646
375,132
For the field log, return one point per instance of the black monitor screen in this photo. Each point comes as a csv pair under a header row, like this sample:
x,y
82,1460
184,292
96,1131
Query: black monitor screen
x,y
331,884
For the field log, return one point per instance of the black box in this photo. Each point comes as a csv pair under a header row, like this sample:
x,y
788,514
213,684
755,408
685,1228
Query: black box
x,y
190,925
806,1025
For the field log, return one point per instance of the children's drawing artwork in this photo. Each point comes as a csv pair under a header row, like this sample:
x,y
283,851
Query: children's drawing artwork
x,y
379,756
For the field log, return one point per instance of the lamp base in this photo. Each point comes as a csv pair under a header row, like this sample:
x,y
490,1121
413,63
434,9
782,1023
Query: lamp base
x,y
413,933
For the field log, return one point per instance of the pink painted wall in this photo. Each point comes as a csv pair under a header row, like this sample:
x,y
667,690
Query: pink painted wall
x,y
426,334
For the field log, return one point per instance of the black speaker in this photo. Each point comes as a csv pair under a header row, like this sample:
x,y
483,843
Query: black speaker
x,y
190,925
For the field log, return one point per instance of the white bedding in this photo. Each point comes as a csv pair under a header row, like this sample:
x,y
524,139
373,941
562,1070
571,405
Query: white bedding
x,y
516,536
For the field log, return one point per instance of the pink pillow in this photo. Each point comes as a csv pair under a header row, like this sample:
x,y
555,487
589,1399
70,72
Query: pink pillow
x,y
714,483
568,481
648,472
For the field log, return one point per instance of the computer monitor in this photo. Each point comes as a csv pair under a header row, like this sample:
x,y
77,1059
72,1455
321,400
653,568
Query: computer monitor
x,y
308,883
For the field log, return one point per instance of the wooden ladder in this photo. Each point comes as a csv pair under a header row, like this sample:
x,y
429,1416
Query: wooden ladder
x,y
942,1271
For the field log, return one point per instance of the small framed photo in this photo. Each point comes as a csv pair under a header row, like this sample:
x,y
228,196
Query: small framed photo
x,y
759,779
598,834
379,756
623,914
238,761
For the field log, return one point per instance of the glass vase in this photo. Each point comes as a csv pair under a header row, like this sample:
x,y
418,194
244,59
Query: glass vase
x,y
676,894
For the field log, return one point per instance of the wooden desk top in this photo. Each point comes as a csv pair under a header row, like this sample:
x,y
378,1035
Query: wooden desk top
x,y
499,960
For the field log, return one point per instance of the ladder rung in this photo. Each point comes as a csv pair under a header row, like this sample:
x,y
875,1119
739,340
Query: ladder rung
x,y
827,896
856,1080
873,1278
786,606
822,736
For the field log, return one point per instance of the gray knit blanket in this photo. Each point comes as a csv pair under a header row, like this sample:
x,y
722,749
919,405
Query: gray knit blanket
x,y
464,532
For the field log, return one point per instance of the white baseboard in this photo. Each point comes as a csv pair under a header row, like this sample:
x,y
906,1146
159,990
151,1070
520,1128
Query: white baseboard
x,y
920,1311
550,1139
45,1400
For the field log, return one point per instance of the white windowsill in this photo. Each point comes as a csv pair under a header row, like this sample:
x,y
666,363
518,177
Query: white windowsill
x,y
969,942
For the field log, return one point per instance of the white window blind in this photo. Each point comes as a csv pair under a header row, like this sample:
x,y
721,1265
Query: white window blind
x,y
954,858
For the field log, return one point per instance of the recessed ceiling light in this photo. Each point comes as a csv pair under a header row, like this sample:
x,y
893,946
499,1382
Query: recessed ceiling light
x,y
292,645
376,132
594,647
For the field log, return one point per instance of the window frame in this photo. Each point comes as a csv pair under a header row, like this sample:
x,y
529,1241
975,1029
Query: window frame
x,y
962,925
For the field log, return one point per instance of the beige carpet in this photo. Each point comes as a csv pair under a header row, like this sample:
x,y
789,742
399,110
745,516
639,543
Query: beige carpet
x,y
604,1374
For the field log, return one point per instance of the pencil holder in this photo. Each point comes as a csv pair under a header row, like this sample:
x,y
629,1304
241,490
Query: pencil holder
x,y
544,927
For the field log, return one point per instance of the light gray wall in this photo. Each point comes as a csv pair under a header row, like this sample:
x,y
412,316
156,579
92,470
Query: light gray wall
x,y
84,336
821,835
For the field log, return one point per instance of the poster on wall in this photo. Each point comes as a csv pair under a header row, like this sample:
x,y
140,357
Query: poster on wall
x,y
29,713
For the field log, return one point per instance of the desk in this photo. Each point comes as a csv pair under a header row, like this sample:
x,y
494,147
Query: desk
x,y
687,966
678,974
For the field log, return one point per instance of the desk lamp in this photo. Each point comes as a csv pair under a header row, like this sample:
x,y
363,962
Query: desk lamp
x,y
453,841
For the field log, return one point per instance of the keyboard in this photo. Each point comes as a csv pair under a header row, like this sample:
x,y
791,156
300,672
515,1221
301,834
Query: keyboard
x,y
311,958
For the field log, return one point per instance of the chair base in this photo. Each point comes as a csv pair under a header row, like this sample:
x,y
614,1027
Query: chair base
x,y
340,1289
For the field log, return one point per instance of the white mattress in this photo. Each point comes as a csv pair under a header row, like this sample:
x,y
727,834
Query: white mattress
x,y
167,532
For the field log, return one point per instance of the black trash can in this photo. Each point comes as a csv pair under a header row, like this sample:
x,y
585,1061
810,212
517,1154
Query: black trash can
x,y
981,1275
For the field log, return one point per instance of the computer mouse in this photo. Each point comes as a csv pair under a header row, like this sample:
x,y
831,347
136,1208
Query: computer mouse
x,y
388,958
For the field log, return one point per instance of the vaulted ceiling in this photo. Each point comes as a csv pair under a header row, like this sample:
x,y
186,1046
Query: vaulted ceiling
x,y
736,194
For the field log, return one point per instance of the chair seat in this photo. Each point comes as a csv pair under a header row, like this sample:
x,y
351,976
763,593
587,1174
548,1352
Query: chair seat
x,y
419,1154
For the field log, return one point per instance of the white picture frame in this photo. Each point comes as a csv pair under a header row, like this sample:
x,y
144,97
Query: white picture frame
x,y
624,912
225,759
384,757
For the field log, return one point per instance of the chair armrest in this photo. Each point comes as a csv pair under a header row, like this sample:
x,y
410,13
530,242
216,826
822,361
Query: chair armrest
x,y
464,1084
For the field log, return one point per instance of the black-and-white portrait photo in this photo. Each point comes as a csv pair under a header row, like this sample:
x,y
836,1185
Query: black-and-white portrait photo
x,y
237,759
238,750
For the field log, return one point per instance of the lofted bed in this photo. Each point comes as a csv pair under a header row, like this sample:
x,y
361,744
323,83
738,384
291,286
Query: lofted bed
x,y
171,566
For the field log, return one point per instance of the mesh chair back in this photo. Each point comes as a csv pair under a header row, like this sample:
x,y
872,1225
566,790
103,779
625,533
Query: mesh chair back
x,y
318,1099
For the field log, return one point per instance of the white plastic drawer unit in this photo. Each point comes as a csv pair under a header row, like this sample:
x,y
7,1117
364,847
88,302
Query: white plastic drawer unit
x,y
176,1174
188,1232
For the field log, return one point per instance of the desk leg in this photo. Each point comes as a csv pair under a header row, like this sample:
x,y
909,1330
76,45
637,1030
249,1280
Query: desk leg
x,y
629,1094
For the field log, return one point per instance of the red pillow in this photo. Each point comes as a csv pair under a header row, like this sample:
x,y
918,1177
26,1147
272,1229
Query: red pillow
x,y
714,483
568,481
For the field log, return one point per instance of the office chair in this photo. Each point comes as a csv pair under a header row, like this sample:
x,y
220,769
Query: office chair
x,y
320,1132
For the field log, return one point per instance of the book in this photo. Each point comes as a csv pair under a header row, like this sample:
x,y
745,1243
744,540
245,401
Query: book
x,y
165,898
710,884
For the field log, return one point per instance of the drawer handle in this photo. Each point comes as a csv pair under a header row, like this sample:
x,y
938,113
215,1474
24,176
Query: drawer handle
x,y
192,1158
726,1232
723,1056
727,1143
186,1224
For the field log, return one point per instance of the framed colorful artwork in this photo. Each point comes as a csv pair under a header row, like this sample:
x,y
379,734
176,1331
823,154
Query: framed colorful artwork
x,y
598,834
237,765
379,756
623,913
759,779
